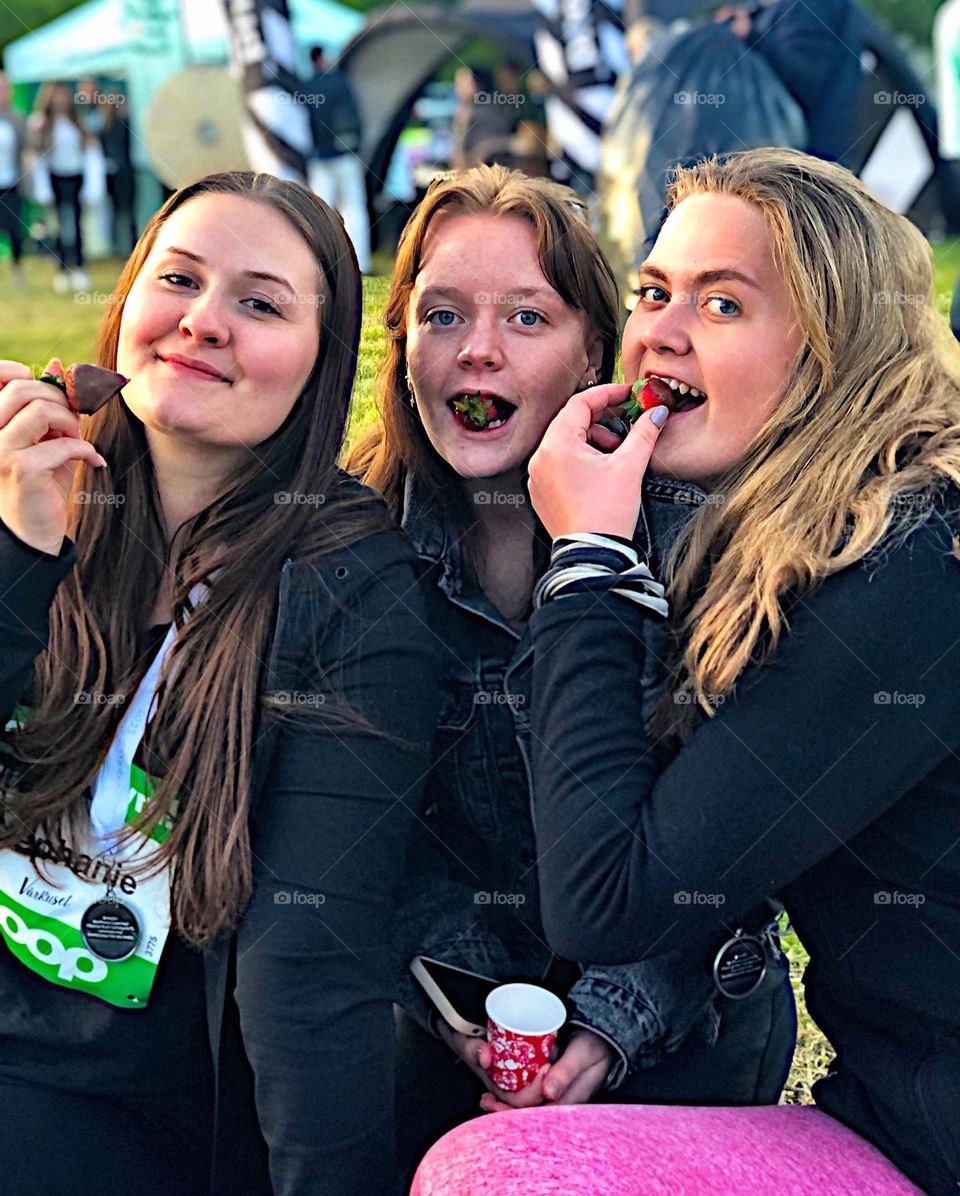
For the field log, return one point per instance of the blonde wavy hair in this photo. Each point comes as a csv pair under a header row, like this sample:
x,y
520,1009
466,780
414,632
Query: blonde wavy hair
x,y
866,436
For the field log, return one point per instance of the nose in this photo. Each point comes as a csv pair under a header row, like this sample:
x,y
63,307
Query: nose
x,y
666,329
480,346
206,320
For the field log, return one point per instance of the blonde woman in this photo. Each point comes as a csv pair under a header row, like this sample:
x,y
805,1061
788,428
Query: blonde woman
x,y
816,693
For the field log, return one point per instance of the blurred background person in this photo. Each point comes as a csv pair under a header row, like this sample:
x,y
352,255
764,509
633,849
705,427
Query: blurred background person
x,y
814,49
13,133
482,126
120,174
334,170
60,141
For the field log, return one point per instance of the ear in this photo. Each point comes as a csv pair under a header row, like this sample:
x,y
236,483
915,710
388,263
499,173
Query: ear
x,y
594,347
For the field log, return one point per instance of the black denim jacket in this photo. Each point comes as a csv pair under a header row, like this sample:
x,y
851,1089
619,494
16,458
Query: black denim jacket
x,y
471,896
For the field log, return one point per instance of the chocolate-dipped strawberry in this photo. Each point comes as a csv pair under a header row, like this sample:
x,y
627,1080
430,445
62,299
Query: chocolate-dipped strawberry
x,y
87,387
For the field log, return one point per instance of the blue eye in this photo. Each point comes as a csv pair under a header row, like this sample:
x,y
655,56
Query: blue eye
x,y
647,297
732,308
434,318
537,318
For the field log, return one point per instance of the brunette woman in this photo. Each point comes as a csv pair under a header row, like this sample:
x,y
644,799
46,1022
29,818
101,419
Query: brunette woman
x,y
220,698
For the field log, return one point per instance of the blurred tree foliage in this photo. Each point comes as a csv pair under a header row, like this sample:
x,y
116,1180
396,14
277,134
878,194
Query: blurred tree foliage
x,y
912,17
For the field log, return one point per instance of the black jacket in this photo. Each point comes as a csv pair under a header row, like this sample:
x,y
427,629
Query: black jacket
x,y
831,777
299,999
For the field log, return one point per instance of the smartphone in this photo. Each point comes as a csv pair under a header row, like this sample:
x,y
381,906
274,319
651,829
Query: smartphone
x,y
457,995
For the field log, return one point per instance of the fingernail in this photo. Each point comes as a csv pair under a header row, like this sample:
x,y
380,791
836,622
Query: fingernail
x,y
659,416
549,1090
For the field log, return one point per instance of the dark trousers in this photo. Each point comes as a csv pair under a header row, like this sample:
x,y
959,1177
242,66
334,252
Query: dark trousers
x,y
10,220
69,242
121,189
64,1144
748,1065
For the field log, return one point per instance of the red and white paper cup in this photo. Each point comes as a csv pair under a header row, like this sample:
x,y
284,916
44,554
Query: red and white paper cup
x,y
522,1025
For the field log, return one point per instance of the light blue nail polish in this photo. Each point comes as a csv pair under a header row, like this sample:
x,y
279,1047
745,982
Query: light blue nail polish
x,y
658,416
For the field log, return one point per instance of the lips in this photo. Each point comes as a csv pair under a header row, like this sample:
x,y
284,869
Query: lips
x,y
657,390
198,368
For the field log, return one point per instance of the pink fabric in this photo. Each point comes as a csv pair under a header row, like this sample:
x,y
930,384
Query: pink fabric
x,y
657,1150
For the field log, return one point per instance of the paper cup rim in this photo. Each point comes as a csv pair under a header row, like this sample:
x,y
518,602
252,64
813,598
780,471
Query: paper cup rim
x,y
551,999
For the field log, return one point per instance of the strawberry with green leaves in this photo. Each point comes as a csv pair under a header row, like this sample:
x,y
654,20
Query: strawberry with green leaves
x,y
476,413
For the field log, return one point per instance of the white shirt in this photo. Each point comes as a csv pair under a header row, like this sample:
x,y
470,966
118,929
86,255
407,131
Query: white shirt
x,y
9,166
66,148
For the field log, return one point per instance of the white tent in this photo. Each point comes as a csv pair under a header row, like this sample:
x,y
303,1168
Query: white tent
x,y
93,39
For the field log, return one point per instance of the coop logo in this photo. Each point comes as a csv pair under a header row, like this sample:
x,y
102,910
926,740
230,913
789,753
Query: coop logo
x,y
72,963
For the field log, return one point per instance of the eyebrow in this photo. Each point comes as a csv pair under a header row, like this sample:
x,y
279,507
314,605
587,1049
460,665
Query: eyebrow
x,y
195,257
456,293
705,278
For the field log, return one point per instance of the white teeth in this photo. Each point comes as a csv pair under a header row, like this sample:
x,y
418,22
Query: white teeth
x,y
497,423
674,384
683,388
696,393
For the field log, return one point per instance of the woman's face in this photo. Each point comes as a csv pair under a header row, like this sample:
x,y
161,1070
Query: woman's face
x,y
482,317
61,100
713,313
231,286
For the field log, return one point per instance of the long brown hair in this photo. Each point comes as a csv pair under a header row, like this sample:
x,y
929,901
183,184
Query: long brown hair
x,y
865,437
206,725
572,264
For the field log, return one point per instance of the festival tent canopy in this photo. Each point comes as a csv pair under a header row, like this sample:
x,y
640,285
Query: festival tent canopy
x,y
94,39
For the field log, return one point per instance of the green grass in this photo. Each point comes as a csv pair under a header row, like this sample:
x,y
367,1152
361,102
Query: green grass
x,y
36,324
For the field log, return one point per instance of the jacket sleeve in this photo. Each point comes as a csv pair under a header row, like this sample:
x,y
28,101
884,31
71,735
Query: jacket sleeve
x,y
805,755
28,584
644,1010
315,952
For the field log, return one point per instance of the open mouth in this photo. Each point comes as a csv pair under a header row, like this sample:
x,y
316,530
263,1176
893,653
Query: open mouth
x,y
678,396
480,411
656,390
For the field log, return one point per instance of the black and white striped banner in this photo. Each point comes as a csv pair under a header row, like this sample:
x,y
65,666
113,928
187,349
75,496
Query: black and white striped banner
x,y
276,132
581,50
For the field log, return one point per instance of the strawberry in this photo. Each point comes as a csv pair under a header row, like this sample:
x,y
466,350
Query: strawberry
x,y
477,412
645,394
87,387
